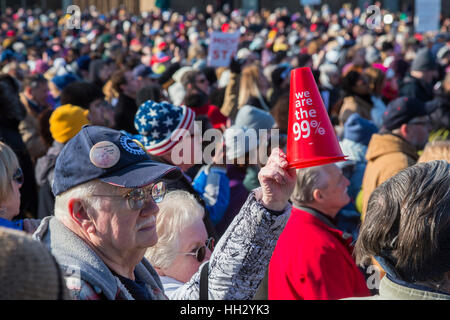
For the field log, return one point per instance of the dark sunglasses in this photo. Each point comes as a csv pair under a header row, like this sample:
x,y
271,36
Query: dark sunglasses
x,y
200,252
18,176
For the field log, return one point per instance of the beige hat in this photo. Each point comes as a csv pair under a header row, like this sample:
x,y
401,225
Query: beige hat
x,y
28,271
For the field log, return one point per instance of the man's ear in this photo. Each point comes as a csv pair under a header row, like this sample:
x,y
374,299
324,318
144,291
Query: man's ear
x,y
80,216
404,130
317,195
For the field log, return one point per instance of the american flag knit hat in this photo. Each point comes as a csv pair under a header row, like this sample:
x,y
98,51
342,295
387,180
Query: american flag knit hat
x,y
162,125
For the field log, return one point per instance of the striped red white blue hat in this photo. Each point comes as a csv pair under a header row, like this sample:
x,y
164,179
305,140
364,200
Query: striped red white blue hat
x,y
162,125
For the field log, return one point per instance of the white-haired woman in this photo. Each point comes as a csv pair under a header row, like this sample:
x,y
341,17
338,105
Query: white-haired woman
x,y
183,243
11,180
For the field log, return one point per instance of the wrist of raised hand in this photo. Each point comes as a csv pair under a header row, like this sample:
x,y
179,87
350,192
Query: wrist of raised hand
x,y
274,206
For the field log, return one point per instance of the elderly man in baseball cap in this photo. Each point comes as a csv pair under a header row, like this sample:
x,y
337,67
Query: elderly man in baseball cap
x,y
406,126
107,189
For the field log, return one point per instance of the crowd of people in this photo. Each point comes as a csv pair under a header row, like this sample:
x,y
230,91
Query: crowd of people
x,y
102,191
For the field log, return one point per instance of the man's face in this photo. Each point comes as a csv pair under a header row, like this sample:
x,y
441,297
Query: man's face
x,y
122,229
183,154
132,85
336,191
146,81
54,91
418,132
202,83
39,94
334,78
429,75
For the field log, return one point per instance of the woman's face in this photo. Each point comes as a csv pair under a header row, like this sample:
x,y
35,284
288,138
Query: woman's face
x,y
362,85
106,71
11,207
185,264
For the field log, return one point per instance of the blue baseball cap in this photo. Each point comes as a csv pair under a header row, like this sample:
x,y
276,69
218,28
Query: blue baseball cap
x,y
110,156
404,109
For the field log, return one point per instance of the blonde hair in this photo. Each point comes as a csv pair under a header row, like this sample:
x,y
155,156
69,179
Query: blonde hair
x,y
196,51
178,210
248,85
8,165
436,150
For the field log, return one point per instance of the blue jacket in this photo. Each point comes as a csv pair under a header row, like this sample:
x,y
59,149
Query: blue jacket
x,y
17,225
213,185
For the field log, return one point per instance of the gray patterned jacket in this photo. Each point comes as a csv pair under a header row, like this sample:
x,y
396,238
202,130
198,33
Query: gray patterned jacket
x,y
241,257
236,267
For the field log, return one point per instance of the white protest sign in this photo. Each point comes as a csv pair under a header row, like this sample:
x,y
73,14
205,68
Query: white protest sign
x,y
427,14
222,47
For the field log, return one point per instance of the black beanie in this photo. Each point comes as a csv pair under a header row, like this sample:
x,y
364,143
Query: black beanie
x,y
423,61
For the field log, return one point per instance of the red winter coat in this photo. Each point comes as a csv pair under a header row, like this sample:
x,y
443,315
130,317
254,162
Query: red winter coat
x,y
312,261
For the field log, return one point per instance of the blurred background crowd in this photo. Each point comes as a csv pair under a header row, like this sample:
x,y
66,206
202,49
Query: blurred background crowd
x,y
55,79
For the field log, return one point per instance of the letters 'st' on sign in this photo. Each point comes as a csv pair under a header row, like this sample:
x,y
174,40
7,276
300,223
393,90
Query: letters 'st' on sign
x,y
222,47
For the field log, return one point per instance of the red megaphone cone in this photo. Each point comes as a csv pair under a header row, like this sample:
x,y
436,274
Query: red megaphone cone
x,y
311,137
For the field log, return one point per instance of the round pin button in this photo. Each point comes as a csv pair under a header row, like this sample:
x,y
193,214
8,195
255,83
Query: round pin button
x,y
104,154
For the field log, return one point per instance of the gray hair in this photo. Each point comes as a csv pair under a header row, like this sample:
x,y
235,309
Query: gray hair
x,y
83,192
308,180
408,222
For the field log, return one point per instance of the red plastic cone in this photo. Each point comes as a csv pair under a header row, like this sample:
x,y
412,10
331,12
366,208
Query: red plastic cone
x,y
311,137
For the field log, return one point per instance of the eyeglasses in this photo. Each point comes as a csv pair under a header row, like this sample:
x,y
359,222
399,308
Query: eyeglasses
x,y
200,252
136,198
18,176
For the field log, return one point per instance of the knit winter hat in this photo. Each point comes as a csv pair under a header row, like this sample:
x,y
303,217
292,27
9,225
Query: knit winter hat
x,y
254,118
238,142
358,129
423,61
28,271
162,125
66,121
63,81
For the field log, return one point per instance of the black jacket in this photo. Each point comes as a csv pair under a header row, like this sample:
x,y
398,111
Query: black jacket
x,y
124,114
417,88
